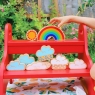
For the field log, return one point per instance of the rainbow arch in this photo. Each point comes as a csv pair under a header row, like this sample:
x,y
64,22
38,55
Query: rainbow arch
x,y
51,31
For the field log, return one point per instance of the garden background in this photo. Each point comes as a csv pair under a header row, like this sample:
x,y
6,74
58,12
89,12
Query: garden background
x,y
35,14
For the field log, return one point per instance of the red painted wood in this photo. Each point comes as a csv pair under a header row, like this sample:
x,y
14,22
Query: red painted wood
x,y
67,46
33,49
31,43
46,73
1,81
90,85
79,46
5,61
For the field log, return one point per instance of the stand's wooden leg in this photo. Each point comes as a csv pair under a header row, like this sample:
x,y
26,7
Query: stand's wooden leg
x,y
1,82
10,58
5,85
11,81
1,86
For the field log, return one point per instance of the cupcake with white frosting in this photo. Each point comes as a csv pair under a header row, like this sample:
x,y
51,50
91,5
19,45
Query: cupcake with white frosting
x,y
59,62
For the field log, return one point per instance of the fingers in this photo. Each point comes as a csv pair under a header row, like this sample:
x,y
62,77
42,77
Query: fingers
x,y
60,24
54,20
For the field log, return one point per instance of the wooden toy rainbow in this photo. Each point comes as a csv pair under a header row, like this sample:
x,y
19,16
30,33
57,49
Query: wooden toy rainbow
x,y
51,31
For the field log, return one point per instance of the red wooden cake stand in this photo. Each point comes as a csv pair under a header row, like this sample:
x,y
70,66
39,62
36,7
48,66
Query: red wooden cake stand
x,y
24,46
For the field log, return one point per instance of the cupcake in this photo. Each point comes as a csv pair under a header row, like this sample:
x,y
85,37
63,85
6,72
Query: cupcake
x,y
45,53
59,62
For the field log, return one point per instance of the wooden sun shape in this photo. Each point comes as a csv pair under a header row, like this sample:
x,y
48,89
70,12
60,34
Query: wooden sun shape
x,y
31,35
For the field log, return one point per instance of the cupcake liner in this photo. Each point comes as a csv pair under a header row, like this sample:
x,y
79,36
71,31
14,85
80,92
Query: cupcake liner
x,y
58,66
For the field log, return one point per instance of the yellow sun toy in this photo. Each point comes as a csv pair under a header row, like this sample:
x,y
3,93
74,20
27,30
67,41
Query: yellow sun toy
x,y
31,35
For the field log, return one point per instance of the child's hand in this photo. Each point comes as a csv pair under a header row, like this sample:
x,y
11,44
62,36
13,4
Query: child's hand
x,y
90,22
60,20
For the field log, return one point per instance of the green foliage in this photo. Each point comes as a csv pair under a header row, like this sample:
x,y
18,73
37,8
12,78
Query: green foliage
x,y
64,9
53,12
1,53
13,12
1,42
91,44
84,5
71,32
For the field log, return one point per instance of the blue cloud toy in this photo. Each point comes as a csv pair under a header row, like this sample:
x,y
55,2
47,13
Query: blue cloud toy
x,y
15,65
45,51
25,59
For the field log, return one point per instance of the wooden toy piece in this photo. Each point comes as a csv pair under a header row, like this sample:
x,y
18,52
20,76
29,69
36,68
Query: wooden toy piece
x,y
31,35
59,62
45,53
38,66
20,63
49,32
15,65
25,59
77,64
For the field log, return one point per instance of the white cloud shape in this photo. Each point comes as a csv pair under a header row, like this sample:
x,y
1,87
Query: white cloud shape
x,y
38,66
60,59
78,64
45,50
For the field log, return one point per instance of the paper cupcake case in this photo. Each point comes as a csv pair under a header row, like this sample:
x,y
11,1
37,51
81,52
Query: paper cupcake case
x,y
58,66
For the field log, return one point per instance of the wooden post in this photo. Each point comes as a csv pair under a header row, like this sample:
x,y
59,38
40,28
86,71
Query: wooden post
x,y
39,8
56,6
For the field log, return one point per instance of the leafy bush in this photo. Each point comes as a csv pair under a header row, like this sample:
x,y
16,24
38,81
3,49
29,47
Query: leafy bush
x,y
13,12
91,43
72,33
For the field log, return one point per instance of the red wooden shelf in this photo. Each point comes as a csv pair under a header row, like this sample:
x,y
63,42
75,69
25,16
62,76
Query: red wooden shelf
x,y
74,46
79,46
46,73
